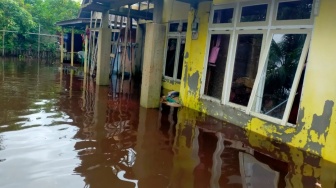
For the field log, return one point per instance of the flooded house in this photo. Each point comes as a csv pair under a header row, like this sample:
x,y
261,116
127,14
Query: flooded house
x,y
267,66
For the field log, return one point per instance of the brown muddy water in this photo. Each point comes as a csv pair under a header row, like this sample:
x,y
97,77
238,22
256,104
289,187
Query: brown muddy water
x,y
58,129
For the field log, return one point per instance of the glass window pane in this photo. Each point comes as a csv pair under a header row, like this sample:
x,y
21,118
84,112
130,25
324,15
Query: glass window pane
x,y
283,59
184,26
181,59
218,52
173,27
170,57
295,10
223,16
245,67
254,13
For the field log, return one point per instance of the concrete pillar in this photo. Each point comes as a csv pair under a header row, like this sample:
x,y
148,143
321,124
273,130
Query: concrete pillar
x,y
152,66
99,116
104,50
72,45
148,147
158,10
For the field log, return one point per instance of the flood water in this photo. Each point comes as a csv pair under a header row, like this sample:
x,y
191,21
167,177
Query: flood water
x,y
58,129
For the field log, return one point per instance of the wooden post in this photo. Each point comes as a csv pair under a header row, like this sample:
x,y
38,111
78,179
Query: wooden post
x,y
72,45
39,41
139,49
3,43
61,76
93,45
62,43
71,83
86,51
90,43
125,48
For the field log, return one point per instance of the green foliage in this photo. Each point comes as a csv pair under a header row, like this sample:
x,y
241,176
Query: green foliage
x,y
14,17
31,15
282,64
48,12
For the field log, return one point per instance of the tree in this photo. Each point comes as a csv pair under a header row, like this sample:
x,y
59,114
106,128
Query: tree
x,y
48,12
14,17
283,60
27,15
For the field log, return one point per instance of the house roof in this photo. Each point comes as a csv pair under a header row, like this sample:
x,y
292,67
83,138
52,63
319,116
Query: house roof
x,y
138,10
78,23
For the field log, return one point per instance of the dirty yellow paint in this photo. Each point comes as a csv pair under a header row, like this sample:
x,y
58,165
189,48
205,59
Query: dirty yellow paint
x,y
298,169
194,56
316,91
319,89
320,75
171,86
327,173
185,157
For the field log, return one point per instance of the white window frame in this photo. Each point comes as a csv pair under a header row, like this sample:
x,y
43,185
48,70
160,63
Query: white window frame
x,y
268,28
261,74
255,23
302,22
230,66
205,65
220,26
179,36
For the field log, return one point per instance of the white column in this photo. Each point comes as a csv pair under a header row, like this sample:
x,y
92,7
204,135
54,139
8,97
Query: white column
x,y
153,65
104,50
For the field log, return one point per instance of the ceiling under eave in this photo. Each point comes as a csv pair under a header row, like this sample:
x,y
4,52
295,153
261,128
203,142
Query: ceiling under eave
x,y
78,23
117,7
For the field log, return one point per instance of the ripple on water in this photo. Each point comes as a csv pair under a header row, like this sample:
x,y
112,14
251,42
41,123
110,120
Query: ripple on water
x,y
37,154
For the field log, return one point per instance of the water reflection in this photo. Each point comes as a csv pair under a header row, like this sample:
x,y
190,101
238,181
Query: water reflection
x,y
67,132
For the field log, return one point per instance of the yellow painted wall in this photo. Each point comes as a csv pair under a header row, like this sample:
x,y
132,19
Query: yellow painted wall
x,y
319,92
194,58
171,85
300,165
321,77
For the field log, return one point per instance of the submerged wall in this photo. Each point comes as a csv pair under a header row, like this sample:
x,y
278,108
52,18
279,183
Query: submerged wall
x,y
303,168
316,128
